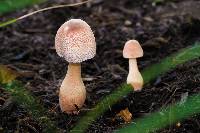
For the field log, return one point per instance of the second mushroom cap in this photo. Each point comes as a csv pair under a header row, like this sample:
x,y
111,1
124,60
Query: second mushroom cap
x,y
132,49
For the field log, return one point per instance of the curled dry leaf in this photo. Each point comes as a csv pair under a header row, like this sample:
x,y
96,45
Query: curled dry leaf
x,y
7,75
125,115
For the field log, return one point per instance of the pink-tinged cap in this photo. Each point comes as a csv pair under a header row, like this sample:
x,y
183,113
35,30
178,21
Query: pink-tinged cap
x,y
75,41
132,49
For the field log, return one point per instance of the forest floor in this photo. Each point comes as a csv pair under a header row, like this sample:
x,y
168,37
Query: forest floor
x,y
162,29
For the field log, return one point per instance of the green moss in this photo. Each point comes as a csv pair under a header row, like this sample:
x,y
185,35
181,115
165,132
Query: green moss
x,y
33,106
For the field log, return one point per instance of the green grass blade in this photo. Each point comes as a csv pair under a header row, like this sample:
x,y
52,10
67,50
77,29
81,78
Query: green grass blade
x,y
148,74
34,108
7,6
165,117
3,24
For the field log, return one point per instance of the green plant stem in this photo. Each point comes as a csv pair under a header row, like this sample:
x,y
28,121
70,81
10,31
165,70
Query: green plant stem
x,y
12,5
34,108
165,117
148,74
3,24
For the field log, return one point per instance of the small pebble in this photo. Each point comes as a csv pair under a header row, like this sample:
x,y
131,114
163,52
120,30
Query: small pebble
x,y
178,124
127,23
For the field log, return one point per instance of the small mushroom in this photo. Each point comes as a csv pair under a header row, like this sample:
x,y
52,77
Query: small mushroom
x,y
75,42
133,50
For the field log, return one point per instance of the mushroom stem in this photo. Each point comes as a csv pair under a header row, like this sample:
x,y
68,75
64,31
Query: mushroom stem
x,y
74,71
72,90
134,77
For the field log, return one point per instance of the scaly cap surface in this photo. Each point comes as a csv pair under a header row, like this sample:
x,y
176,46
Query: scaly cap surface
x,y
75,41
132,49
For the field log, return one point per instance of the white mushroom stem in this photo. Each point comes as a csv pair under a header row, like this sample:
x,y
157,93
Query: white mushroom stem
x,y
134,77
72,91
74,71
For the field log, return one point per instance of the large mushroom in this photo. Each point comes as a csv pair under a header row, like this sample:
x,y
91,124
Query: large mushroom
x,y
75,42
133,50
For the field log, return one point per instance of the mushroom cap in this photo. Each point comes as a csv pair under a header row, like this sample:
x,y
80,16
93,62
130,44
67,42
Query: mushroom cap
x,y
75,41
132,49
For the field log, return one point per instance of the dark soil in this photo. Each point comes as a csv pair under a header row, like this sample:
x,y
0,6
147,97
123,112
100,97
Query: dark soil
x,y
28,46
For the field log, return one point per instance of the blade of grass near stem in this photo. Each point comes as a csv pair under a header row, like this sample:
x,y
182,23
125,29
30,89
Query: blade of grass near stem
x,y
148,74
163,118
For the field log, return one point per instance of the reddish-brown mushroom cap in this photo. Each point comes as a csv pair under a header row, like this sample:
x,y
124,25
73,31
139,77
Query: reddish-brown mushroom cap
x,y
75,41
132,49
